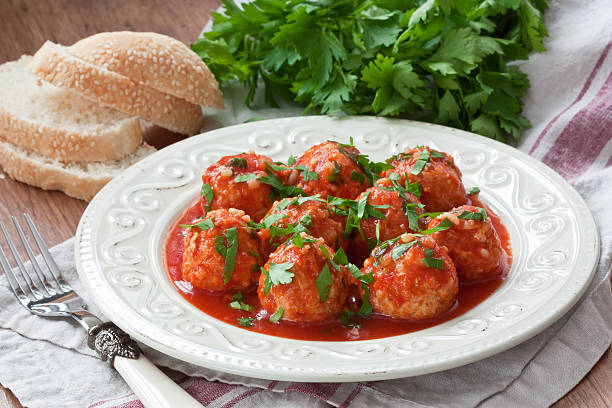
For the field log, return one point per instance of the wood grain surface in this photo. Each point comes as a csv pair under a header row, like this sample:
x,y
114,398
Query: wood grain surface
x,y
25,25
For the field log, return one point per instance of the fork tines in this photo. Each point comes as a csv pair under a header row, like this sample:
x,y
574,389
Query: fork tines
x,y
26,284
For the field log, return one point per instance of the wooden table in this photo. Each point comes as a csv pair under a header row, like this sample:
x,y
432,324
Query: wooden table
x,y
25,25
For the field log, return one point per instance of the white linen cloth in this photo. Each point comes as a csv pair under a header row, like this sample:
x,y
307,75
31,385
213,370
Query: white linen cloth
x,y
46,363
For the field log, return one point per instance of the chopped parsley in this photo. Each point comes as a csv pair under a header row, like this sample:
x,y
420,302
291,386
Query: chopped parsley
x,y
365,279
284,191
472,190
419,165
228,251
413,217
307,173
238,303
245,177
323,282
408,187
399,250
371,169
277,166
430,214
204,225
432,262
340,257
277,315
278,274
333,262
335,175
299,242
479,215
292,160
356,176
442,226
239,162
245,321
208,195
351,210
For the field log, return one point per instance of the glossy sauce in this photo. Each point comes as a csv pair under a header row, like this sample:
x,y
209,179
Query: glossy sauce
x,y
375,326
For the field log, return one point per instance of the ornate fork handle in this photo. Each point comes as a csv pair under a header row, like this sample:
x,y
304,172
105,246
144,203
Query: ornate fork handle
x,y
110,341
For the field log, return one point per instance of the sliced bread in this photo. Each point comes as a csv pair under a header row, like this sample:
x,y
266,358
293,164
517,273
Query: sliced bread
x,y
80,180
60,124
56,65
154,60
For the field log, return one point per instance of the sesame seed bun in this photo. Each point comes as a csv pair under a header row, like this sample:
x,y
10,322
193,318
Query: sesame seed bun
x,y
154,60
56,65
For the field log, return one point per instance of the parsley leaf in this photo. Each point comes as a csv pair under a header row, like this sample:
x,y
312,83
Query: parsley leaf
x,y
424,59
323,282
442,226
239,162
228,251
245,321
245,177
307,173
399,250
208,195
204,225
277,315
334,175
432,262
473,190
419,165
279,274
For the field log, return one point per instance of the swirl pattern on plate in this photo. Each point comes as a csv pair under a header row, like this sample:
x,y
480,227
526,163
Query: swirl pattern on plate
x,y
120,244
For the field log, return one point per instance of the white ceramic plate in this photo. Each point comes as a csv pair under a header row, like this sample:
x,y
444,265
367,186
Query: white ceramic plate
x,y
120,246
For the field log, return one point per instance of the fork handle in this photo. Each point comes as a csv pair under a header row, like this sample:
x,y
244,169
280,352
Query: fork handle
x,y
154,388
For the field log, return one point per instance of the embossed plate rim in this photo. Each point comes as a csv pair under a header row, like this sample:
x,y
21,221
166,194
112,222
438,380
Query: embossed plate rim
x,y
373,367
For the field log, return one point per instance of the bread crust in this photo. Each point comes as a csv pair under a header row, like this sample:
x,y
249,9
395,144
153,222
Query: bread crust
x,y
55,65
47,174
154,60
29,171
24,95
65,145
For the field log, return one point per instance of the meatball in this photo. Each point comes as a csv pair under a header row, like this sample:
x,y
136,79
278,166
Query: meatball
x,y
421,283
436,173
303,282
313,214
214,244
223,191
337,173
472,243
401,216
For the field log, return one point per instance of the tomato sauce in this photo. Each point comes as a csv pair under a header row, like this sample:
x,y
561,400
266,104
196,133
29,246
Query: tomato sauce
x,y
375,326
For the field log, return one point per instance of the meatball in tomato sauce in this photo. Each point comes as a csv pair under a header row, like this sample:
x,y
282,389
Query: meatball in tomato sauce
x,y
437,175
331,169
413,278
400,215
221,253
302,214
232,183
472,243
300,284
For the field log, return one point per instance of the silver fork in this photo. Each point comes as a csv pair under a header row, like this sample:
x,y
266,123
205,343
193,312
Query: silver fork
x,y
48,295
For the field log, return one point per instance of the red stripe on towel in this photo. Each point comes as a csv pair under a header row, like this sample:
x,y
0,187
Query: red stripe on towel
x,y
585,88
585,135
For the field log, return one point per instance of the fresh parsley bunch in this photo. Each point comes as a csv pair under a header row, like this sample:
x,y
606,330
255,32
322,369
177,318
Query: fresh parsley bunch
x,y
444,61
